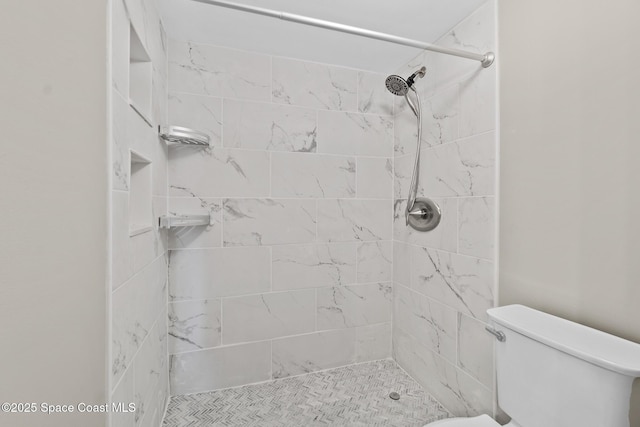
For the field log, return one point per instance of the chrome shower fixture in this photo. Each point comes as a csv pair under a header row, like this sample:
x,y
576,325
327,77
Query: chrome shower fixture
x,y
399,86
422,214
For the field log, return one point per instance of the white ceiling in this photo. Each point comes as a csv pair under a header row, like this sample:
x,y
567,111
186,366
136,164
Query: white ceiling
x,y
424,20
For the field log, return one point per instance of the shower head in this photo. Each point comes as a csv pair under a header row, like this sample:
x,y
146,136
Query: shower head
x,y
396,85
399,86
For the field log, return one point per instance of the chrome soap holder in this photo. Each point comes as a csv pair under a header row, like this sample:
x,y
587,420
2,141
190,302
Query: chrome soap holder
x,y
172,221
183,136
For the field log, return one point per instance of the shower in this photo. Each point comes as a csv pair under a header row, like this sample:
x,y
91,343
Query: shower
x,y
422,214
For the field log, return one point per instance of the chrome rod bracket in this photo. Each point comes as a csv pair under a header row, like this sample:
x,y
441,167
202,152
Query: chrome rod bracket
x,y
488,59
500,336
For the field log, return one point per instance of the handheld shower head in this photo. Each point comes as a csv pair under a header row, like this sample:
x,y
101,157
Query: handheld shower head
x,y
396,85
399,86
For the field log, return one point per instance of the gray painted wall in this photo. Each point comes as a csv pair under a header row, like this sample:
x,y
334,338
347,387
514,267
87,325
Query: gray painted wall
x,y
53,209
570,126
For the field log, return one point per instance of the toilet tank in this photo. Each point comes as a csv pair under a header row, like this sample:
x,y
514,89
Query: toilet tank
x,y
556,373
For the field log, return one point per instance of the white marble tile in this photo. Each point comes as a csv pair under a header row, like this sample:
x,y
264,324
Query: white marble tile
x,y
141,136
354,305
124,395
268,221
157,396
211,273
373,342
135,306
476,33
375,262
429,321
123,248
475,349
120,47
194,325
151,244
156,38
462,168
401,263
317,175
374,178
201,113
355,134
267,316
120,143
441,115
221,367
313,352
159,90
457,391
373,96
148,365
476,226
314,85
478,101
348,220
462,282
442,237
209,236
160,167
138,19
405,129
311,266
402,171
218,71
218,172
265,126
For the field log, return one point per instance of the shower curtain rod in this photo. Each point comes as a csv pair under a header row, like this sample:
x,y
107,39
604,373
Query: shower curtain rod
x,y
485,59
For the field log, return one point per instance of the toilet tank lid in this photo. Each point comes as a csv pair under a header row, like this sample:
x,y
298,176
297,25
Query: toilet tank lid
x,y
594,346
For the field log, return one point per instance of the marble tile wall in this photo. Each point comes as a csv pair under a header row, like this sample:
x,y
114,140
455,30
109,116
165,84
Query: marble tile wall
x,y
139,365
295,273
444,280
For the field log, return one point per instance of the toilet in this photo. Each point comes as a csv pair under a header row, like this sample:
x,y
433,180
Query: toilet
x,y
552,372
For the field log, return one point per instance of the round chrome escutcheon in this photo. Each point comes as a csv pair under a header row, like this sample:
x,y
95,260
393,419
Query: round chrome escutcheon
x,y
425,215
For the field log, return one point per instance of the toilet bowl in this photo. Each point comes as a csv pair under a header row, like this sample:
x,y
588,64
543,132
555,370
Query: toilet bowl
x,y
552,372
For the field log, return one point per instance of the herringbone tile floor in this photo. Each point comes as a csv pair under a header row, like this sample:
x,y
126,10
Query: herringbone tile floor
x,y
356,395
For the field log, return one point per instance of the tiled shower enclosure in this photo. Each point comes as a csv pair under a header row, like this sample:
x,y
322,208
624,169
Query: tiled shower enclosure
x,y
295,274
308,264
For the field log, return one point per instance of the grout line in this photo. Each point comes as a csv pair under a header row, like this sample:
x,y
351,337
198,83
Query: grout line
x,y
137,273
280,291
135,354
418,382
277,104
293,376
277,338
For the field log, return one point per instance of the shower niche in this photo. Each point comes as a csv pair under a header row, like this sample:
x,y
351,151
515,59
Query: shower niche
x,y
140,76
140,203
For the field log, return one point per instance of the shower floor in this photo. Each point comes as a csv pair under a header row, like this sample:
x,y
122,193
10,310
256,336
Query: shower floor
x,y
356,395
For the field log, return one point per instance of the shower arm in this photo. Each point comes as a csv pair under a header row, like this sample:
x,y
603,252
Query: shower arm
x,y
413,190
485,59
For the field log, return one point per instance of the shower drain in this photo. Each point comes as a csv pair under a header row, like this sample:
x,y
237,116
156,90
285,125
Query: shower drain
x,y
394,395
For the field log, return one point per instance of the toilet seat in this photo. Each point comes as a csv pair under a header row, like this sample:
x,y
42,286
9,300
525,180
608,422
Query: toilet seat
x,y
481,421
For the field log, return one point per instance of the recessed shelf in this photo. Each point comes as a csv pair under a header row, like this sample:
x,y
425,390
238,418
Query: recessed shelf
x,y
140,76
174,221
140,210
